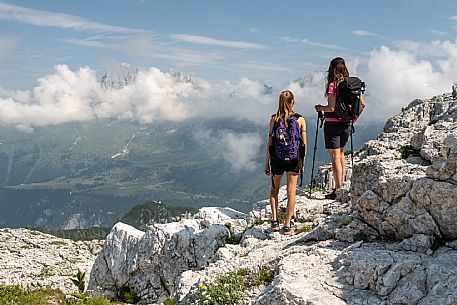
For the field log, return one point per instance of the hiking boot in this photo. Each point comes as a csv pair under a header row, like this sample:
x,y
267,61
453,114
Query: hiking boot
x,y
274,226
289,230
331,196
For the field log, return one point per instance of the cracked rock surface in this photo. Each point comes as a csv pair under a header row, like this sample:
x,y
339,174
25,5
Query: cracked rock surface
x,y
405,180
33,259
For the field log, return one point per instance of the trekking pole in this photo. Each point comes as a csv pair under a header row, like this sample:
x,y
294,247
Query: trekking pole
x,y
352,146
320,116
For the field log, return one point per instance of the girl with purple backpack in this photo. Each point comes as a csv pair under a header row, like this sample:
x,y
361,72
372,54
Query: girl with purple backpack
x,y
285,153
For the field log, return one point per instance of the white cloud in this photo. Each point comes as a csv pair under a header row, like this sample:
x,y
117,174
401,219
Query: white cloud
x,y
69,96
437,32
146,47
85,43
396,77
364,33
241,150
308,92
262,67
289,39
308,42
204,40
322,45
421,49
59,20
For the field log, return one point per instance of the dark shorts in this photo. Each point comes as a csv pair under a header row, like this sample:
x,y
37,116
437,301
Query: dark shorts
x,y
280,167
336,134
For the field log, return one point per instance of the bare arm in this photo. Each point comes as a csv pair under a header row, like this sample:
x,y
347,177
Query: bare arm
x,y
331,103
362,103
267,153
302,123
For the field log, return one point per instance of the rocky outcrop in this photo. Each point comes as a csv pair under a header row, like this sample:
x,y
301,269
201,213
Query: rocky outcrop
x,y
149,263
393,242
329,265
404,183
33,259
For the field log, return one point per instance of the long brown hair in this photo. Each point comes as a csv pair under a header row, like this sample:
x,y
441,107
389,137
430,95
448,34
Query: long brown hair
x,y
285,107
337,71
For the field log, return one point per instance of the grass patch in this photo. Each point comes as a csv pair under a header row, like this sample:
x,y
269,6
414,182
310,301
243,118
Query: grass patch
x,y
128,296
170,301
360,236
98,300
409,151
229,289
263,276
304,229
281,218
58,243
45,272
81,297
14,295
231,238
259,221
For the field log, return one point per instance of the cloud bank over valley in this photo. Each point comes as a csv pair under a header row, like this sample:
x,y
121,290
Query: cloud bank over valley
x,y
395,76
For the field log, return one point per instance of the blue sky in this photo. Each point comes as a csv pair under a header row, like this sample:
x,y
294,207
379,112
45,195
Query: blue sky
x,y
52,54
264,40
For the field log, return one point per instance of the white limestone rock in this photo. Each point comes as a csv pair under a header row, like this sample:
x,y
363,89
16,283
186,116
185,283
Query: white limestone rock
x,y
299,281
438,198
32,259
391,194
149,263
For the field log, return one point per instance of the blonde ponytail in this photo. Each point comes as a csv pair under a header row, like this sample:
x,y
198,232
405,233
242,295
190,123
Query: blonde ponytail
x,y
285,107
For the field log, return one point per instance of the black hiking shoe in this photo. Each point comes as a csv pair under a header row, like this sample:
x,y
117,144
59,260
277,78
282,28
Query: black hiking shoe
x,y
331,196
274,226
289,230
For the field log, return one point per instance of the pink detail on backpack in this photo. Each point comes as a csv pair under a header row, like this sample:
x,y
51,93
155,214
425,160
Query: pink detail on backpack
x,y
336,120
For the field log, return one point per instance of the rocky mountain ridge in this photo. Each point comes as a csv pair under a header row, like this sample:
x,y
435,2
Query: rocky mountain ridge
x,y
392,242
389,240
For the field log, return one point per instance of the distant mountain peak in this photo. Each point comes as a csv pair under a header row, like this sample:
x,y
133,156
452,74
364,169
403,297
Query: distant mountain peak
x,y
126,74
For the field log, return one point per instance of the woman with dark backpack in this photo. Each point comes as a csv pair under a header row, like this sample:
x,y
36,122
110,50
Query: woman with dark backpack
x,y
285,153
336,130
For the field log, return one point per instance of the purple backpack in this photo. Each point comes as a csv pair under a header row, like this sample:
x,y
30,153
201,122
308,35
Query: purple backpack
x,y
287,139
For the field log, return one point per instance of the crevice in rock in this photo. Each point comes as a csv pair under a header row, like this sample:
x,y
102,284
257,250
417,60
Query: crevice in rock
x,y
331,292
454,183
164,284
435,222
366,223
25,241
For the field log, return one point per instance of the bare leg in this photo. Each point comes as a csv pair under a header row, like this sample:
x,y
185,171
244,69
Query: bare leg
x,y
291,192
343,165
336,166
274,196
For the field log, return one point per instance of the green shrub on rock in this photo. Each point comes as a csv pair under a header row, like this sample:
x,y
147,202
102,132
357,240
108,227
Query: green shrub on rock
x,y
230,288
14,295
